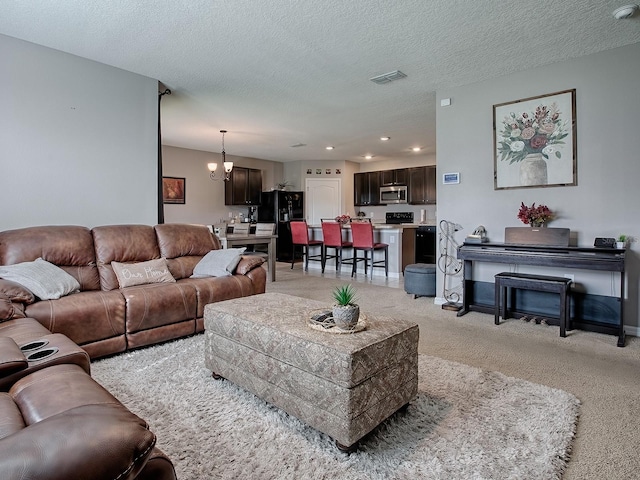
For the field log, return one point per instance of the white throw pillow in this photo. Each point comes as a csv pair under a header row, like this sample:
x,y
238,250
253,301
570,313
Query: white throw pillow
x,y
218,263
46,280
142,273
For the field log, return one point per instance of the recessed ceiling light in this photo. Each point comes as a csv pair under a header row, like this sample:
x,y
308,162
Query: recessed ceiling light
x,y
368,157
625,12
384,139
329,148
416,149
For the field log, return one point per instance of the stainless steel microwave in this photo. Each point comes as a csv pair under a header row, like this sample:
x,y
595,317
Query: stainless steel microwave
x,y
394,194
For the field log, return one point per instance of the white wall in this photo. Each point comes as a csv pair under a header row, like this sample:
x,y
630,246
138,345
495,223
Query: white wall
x,y
605,201
78,140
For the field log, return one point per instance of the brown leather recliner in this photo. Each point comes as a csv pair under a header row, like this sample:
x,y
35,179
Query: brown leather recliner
x,y
55,421
58,424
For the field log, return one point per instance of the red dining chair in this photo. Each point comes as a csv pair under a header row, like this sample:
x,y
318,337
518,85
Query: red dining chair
x,y
332,238
362,235
300,237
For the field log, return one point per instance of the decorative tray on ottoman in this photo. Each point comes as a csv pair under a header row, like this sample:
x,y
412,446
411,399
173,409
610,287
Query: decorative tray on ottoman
x,y
322,320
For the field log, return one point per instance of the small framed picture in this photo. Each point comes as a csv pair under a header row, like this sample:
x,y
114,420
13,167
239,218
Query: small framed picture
x,y
309,171
328,171
450,178
318,171
173,190
338,171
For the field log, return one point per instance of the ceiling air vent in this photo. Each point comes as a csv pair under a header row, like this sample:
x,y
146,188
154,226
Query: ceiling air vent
x,y
388,77
296,145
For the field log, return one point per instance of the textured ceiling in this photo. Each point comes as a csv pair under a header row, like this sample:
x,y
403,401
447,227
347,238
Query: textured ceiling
x,y
281,72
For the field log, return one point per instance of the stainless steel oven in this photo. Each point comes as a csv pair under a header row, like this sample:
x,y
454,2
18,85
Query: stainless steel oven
x,y
394,194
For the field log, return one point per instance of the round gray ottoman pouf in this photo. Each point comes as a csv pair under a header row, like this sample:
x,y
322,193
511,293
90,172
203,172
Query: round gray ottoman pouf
x,y
420,279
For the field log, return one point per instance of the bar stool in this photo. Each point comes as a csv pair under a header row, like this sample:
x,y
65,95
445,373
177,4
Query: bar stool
x,y
300,237
332,238
362,235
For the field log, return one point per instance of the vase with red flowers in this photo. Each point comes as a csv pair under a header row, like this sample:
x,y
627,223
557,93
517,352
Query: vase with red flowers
x,y
536,216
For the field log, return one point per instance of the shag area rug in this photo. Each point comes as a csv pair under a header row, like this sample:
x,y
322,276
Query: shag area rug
x,y
465,423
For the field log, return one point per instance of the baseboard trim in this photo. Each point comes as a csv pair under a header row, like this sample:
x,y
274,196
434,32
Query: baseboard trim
x,y
377,272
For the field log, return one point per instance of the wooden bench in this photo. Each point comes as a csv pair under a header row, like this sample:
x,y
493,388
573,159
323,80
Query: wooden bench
x,y
541,283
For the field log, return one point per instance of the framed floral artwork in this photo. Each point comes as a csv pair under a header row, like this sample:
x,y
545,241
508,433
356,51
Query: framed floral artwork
x,y
534,142
173,190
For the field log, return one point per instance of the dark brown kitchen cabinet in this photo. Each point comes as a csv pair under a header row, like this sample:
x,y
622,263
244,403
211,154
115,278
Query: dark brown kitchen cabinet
x,y
422,185
399,176
244,187
366,189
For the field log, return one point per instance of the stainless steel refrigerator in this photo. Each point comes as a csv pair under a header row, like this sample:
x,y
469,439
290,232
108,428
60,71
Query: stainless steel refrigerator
x,y
280,207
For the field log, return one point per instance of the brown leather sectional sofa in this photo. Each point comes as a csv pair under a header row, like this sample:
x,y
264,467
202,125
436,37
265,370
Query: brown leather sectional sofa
x,y
104,319
58,423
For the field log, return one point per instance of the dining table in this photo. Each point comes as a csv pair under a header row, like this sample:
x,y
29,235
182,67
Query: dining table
x,y
242,239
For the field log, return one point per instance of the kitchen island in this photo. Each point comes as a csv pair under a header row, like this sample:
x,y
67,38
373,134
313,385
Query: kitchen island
x,y
400,238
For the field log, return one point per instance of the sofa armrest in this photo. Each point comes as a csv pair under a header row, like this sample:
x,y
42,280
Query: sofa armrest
x,y
12,359
16,292
13,298
248,263
97,442
158,467
10,310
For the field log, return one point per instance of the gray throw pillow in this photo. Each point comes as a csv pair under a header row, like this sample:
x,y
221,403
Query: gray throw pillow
x,y
46,280
218,263
142,273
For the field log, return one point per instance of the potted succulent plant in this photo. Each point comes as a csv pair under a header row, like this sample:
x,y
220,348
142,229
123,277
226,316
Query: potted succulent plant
x,y
621,242
345,311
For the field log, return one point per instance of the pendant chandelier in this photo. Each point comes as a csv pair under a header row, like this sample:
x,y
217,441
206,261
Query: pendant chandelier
x,y
228,166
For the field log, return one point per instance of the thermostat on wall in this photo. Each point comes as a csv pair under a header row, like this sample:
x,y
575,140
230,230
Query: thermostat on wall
x,y
448,178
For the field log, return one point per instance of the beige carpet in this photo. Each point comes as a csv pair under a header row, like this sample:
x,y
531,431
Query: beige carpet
x,y
464,423
605,378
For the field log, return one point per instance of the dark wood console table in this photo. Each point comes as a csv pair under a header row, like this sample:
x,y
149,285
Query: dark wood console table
x,y
602,259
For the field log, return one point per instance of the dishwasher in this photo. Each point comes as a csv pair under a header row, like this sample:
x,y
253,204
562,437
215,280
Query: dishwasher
x,y
426,244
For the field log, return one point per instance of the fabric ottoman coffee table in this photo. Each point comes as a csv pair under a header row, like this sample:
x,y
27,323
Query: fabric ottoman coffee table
x,y
343,385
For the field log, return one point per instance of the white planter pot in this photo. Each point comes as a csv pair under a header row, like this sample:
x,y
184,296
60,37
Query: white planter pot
x,y
346,316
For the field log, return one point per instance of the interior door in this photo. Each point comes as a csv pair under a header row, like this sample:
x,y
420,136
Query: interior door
x,y
323,199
